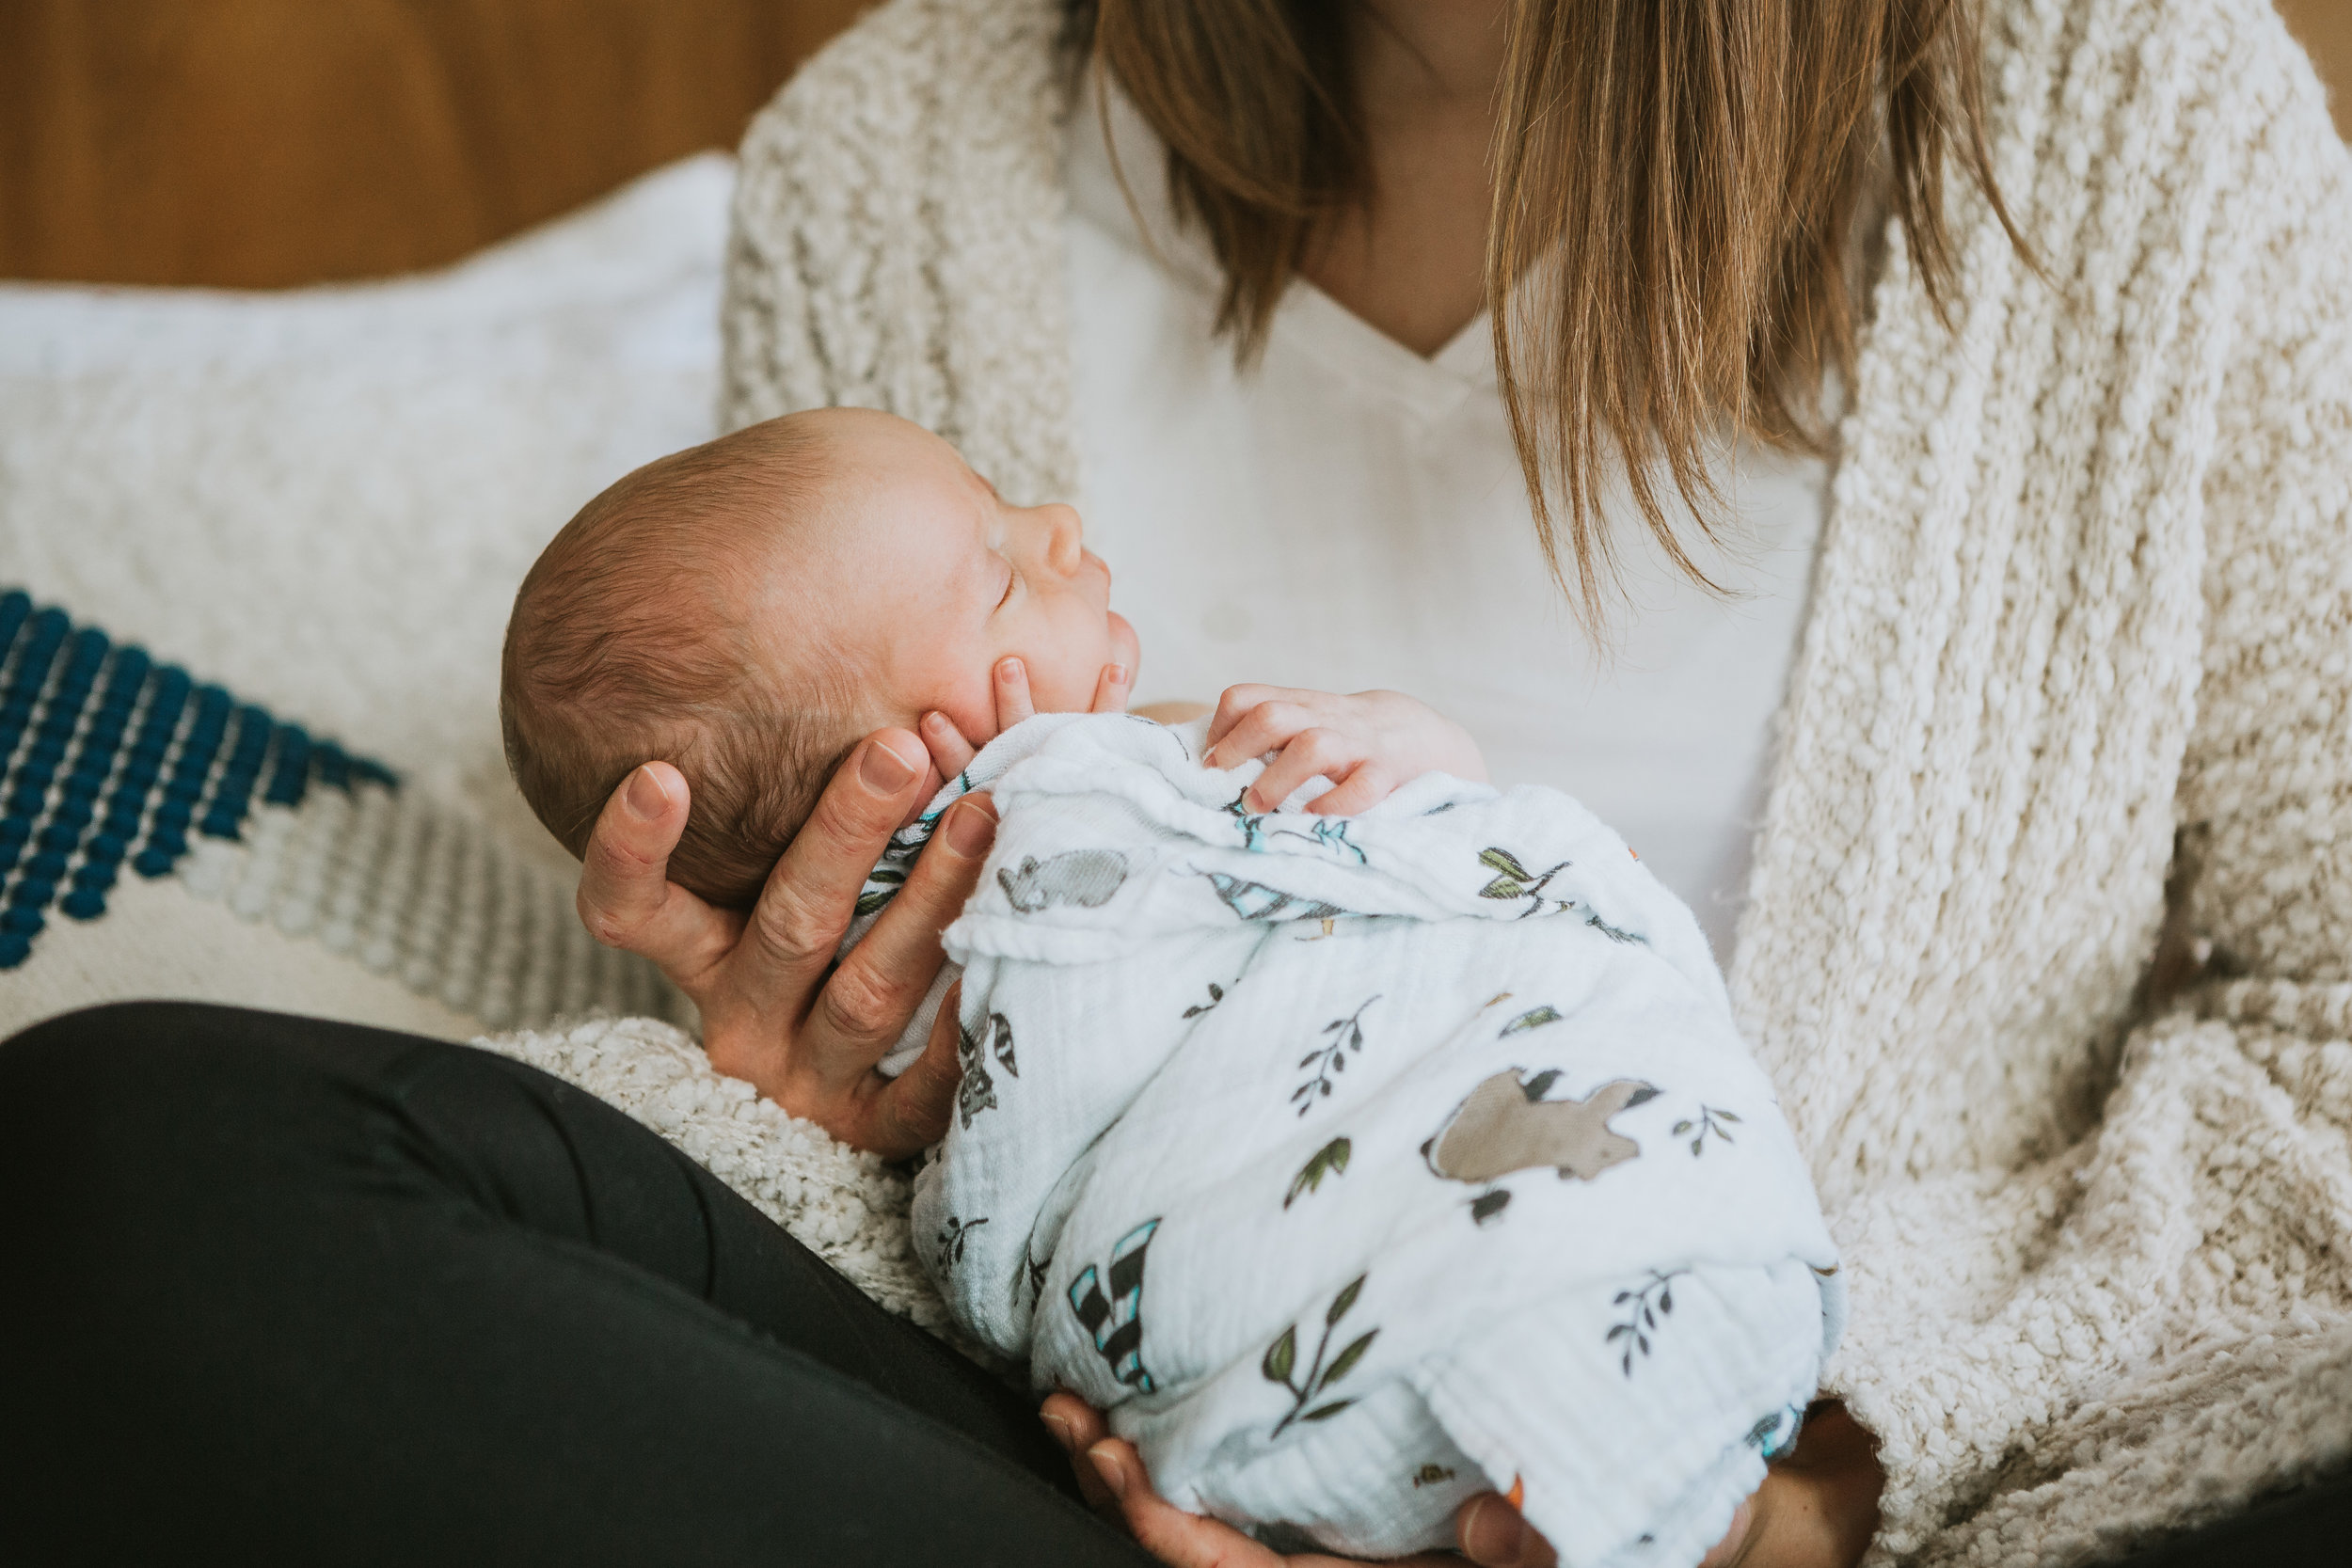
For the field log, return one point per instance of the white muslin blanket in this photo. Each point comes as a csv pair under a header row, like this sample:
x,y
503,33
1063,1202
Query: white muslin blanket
x,y
1357,1165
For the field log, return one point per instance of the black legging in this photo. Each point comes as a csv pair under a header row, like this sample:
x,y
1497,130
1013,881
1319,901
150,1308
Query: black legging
x,y
279,1290
275,1289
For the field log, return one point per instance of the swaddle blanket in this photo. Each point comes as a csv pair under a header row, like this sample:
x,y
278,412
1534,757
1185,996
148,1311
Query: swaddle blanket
x,y
1358,1164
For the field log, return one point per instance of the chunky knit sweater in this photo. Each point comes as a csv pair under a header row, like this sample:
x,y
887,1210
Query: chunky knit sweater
x,y
2050,939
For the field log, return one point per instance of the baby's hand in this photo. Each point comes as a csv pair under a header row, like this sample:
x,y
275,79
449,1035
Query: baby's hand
x,y
1366,745
952,752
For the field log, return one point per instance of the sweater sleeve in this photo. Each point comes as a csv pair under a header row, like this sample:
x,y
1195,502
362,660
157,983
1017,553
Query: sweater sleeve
x,y
2153,1327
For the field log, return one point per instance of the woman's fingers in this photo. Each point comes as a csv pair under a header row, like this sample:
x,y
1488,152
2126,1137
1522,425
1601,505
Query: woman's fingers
x,y
1190,1541
1112,1476
1111,688
1013,702
1165,1530
1077,1426
1733,1548
1493,1535
909,1112
950,752
868,999
626,897
813,891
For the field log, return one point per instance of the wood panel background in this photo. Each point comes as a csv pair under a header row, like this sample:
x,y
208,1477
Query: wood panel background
x,y
256,143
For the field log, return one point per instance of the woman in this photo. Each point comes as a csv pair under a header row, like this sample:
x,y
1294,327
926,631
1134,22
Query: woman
x,y
2077,624
2083,593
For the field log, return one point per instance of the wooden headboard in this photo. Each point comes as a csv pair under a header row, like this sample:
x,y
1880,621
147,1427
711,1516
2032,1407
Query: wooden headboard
x,y
254,143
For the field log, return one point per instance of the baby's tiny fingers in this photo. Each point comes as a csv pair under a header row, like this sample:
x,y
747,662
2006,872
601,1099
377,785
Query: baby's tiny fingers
x,y
1312,752
950,752
1267,727
1111,689
1236,701
1364,788
1013,702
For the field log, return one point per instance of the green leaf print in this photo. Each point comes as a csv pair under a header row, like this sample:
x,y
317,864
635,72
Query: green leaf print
x,y
1281,1360
1710,1120
1514,881
1330,1160
1347,1358
1281,1356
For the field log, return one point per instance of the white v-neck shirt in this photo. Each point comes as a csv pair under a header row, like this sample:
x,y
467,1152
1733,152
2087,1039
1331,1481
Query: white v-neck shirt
x,y
1348,515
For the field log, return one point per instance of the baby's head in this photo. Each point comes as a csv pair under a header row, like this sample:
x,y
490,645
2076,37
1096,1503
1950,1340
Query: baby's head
x,y
750,609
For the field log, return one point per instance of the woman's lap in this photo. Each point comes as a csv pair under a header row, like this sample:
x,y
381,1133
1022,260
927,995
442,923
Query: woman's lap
x,y
308,1289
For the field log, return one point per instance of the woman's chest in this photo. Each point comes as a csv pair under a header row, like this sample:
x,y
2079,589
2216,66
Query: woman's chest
x,y
1346,514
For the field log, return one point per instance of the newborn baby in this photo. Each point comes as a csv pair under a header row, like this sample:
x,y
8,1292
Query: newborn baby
x,y
1359,1138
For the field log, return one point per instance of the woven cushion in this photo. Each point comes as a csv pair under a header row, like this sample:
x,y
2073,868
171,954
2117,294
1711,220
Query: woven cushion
x,y
160,837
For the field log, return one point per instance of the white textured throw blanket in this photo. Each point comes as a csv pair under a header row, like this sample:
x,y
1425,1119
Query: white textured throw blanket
x,y
1357,1165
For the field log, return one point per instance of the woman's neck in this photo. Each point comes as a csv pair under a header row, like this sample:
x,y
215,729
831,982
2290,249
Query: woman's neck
x,y
1411,260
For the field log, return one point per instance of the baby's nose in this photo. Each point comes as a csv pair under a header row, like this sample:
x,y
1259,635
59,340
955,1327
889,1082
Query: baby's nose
x,y
1064,550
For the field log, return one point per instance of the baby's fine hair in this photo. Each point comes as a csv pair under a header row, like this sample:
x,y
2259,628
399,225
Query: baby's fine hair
x,y
627,644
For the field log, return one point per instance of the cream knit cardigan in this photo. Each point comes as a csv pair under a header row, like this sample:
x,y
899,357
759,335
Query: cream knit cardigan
x,y
2085,593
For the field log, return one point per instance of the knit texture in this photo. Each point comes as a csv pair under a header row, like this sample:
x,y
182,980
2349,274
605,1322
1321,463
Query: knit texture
x,y
2086,592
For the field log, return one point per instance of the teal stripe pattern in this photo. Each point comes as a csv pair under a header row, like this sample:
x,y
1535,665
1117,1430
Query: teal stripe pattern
x,y
109,758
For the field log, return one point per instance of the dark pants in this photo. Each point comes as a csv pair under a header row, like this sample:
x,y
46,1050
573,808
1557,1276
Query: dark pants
x,y
279,1290
275,1289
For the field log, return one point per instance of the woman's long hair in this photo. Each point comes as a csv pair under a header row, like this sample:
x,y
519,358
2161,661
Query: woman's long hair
x,y
1676,188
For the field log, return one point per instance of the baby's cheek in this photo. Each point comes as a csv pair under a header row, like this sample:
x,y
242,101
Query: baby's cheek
x,y
1060,688
971,708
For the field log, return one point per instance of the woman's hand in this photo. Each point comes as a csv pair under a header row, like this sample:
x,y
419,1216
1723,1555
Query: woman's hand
x,y
1817,1508
1366,745
774,1008
1110,1474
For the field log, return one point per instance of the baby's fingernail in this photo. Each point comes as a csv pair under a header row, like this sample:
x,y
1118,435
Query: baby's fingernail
x,y
934,723
1118,675
1063,1432
1106,1465
1009,671
883,770
646,797
969,830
